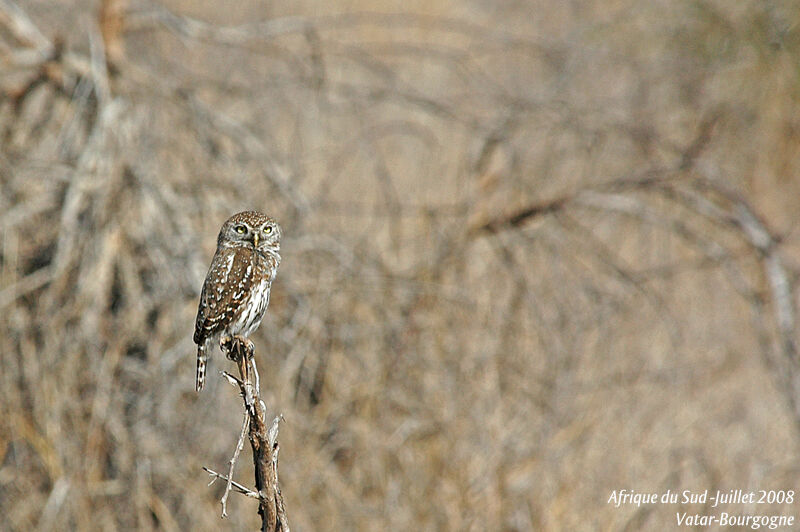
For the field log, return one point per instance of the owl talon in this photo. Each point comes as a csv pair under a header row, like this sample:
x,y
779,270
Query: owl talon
x,y
238,344
227,346
249,348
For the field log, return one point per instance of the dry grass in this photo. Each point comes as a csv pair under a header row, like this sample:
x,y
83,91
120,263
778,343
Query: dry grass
x,y
533,253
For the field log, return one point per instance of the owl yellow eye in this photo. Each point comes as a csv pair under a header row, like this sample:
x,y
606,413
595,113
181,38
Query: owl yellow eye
x,y
267,229
240,229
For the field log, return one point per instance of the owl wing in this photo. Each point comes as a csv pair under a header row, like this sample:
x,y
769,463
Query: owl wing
x,y
227,285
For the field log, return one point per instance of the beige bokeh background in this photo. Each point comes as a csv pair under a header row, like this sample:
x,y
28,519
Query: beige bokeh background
x,y
534,252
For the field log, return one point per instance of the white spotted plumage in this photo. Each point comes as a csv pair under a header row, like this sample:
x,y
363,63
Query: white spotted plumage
x,y
236,291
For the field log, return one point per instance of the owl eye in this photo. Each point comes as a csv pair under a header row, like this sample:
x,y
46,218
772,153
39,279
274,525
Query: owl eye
x,y
267,229
240,229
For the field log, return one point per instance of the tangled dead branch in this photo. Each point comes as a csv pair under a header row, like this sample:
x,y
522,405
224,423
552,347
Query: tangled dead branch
x,y
698,189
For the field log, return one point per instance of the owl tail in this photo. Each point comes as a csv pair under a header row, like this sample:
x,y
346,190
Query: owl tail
x,y
202,359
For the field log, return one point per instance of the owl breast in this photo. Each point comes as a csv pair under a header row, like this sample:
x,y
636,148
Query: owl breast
x,y
261,270
252,311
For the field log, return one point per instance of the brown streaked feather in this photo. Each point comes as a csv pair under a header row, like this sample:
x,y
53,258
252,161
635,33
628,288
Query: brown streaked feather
x,y
227,285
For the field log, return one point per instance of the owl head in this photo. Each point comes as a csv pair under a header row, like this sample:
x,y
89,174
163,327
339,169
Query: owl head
x,y
251,228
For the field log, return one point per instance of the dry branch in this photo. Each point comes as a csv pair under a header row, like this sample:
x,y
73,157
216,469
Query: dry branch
x,y
263,440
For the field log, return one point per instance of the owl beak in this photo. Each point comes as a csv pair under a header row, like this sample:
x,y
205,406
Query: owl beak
x,y
255,240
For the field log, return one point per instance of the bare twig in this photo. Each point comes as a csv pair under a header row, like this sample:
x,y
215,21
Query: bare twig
x,y
239,446
263,440
238,487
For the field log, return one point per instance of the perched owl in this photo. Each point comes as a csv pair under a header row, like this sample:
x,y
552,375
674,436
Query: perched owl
x,y
236,290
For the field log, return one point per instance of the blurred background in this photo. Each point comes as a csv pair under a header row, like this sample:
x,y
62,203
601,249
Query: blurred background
x,y
533,252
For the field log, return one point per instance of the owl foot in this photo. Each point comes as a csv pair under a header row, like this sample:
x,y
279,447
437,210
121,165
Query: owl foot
x,y
225,344
238,344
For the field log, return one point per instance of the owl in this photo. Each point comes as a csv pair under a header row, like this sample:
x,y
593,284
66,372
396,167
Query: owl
x,y
235,293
